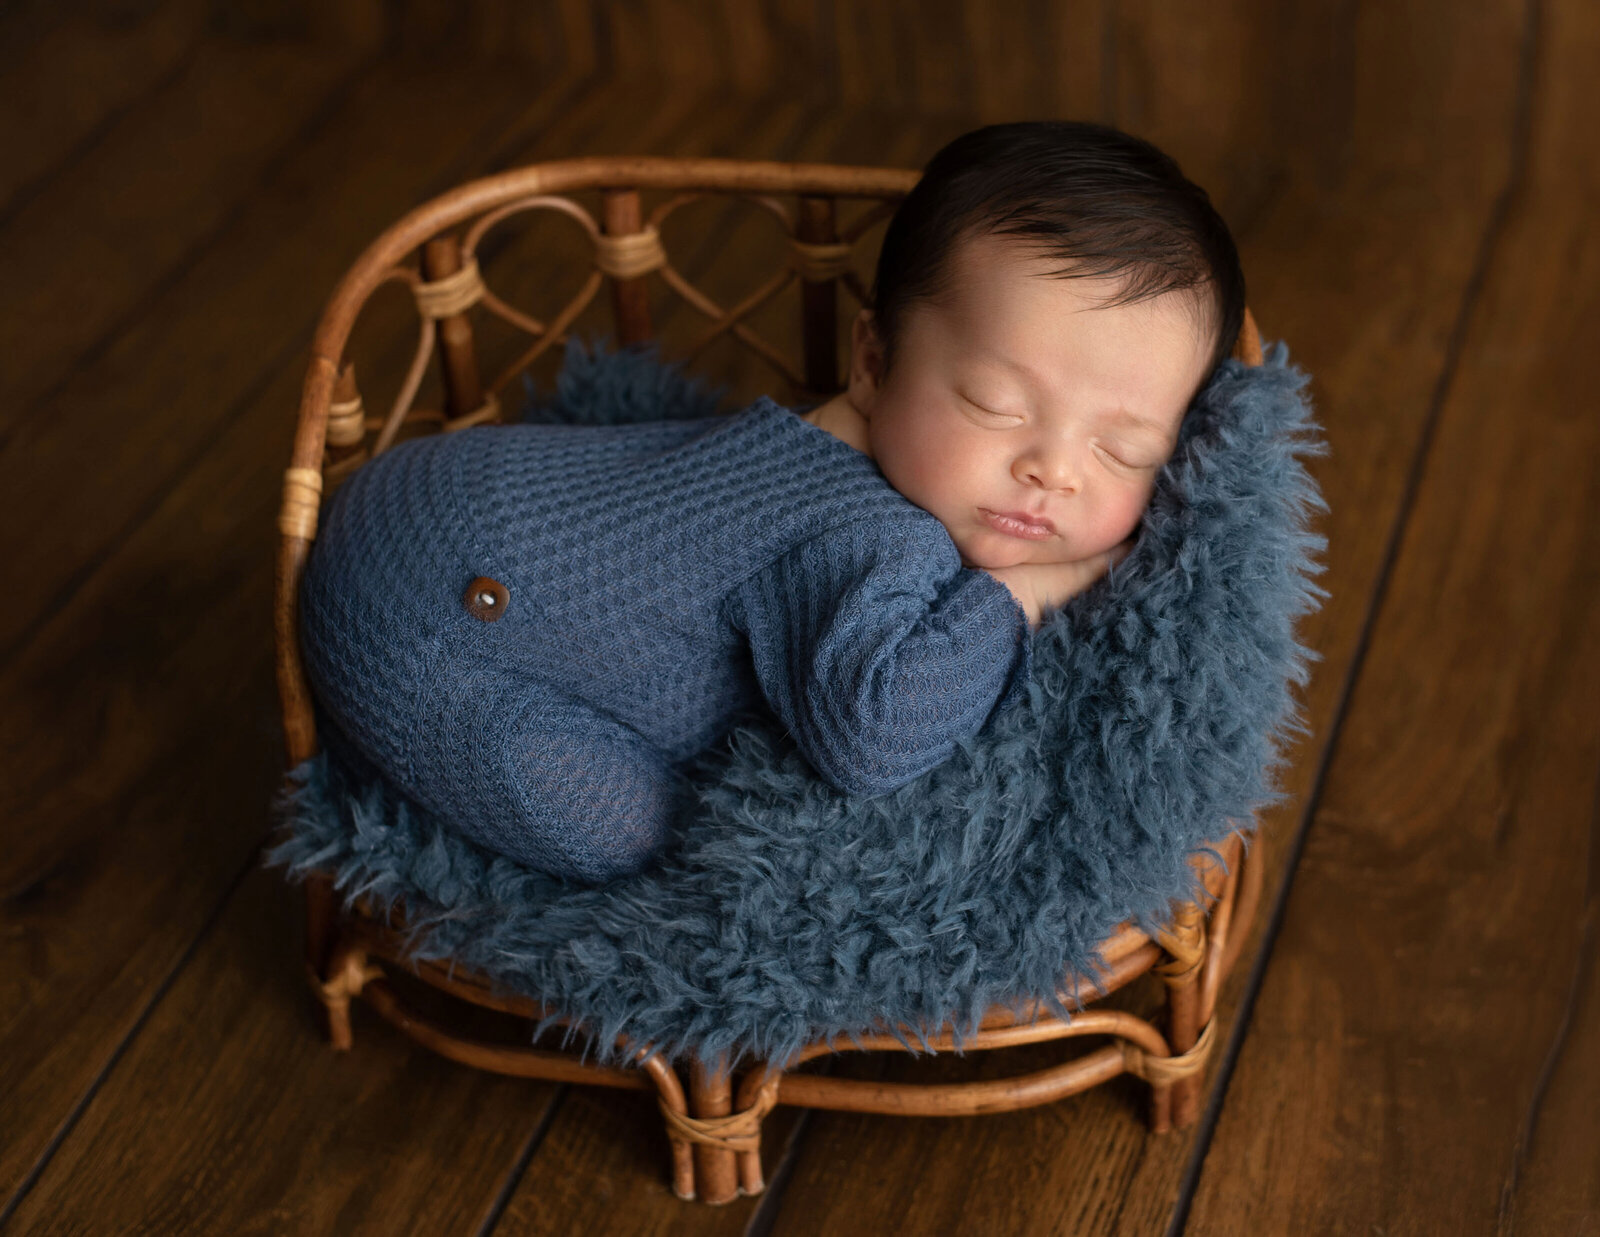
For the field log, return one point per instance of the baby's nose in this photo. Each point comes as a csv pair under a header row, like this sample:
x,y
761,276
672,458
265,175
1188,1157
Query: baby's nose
x,y
1050,469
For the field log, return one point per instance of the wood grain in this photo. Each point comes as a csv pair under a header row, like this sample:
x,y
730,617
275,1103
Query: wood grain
x,y
229,1114
139,736
1438,920
1207,86
1364,285
102,235
119,429
161,1066
75,922
601,1165
1552,1185
111,63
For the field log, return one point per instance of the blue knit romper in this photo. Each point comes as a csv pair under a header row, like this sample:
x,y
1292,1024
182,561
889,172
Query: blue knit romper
x,y
529,629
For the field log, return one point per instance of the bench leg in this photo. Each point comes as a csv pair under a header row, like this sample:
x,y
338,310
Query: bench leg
x,y
1185,944
669,1091
322,909
711,1095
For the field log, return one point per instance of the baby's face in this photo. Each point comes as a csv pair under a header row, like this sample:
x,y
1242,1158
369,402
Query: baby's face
x,y
1029,420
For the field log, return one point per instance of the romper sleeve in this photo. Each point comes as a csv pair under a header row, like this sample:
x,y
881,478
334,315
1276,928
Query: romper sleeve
x,y
879,651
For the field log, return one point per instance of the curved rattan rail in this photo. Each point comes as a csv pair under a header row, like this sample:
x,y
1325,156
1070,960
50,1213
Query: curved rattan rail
x,y
714,1127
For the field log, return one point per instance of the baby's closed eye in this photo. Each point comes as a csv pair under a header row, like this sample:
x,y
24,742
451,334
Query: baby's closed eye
x,y
1132,458
988,414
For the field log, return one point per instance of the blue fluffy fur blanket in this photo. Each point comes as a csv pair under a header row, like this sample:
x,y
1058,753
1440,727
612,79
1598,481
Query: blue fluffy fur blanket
x,y
785,911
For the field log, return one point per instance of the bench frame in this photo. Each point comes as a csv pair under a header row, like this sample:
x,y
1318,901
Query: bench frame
x,y
713,1116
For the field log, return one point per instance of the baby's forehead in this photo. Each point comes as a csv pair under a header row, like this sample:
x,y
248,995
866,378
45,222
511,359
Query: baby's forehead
x,y
992,280
977,258
1008,310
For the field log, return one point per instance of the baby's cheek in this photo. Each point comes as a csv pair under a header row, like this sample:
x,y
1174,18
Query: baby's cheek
x,y
1117,520
943,474
916,462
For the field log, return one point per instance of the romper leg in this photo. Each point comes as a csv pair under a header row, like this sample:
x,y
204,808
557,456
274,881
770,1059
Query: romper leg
x,y
533,773
711,1095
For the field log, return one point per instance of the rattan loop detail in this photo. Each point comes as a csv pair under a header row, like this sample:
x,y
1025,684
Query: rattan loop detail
x,y
1185,942
348,981
454,294
489,410
738,1131
631,254
302,496
1160,1071
820,262
347,424
1177,970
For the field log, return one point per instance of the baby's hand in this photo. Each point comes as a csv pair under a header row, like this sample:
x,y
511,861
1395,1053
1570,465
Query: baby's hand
x,y
1043,587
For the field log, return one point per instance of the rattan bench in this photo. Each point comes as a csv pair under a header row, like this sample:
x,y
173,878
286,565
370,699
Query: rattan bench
x,y
713,1117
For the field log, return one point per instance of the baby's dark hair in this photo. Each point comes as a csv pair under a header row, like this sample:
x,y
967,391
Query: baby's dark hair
x,y
1101,201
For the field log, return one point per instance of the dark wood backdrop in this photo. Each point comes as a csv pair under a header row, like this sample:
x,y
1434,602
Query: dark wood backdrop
x,y
1416,1048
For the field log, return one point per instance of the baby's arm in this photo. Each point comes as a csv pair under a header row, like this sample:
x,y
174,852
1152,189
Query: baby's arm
x,y
1042,587
878,652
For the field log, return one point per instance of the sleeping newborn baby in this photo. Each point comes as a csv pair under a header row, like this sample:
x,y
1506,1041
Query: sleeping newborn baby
x,y
529,629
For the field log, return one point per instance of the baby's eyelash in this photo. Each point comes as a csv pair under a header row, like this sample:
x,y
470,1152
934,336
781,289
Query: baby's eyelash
x,y
1006,416
1126,463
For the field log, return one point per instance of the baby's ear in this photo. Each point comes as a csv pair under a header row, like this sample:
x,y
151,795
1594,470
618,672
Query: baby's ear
x,y
866,363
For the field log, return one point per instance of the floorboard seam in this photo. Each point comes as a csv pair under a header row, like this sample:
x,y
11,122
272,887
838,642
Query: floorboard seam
x,y
765,1216
499,153
70,1121
293,145
1582,965
264,378
1489,243
141,516
519,1166
25,193
505,153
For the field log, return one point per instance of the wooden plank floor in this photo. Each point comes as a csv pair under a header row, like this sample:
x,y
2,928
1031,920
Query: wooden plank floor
x,y
1415,1029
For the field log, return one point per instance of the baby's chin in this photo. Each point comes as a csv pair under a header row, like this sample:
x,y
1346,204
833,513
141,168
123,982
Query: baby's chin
x,y
995,551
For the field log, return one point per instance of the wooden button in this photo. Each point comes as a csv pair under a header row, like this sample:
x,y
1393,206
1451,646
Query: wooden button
x,y
486,599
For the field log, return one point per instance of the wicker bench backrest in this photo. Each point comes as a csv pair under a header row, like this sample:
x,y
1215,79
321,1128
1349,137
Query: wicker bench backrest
x,y
434,251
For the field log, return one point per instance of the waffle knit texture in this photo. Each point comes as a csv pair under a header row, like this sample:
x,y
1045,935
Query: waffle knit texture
x,y
663,578
786,911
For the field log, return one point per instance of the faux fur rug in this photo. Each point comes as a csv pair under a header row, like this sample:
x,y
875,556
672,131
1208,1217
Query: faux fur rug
x,y
785,911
